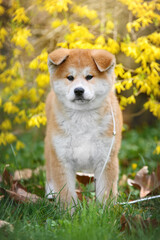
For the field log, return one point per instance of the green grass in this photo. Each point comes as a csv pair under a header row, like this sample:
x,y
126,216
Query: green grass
x,y
89,221
44,220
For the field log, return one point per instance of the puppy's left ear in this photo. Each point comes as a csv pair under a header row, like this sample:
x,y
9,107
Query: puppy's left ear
x,y
56,58
105,61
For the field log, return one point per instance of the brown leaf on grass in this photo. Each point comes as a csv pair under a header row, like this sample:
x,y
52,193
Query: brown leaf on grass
x,y
6,224
23,174
17,192
27,173
21,196
131,222
6,177
79,194
1,197
85,178
146,183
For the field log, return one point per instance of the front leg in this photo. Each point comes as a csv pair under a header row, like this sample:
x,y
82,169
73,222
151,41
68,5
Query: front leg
x,y
60,179
107,185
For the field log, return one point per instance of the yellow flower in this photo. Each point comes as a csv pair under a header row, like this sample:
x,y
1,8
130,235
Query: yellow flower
x,y
3,34
52,6
6,138
2,62
21,117
109,26
43,66
119,71
43,56
145,88
39,109
133,174
157,150
2,10
33,121
78,33
16,52
37,120
6,125
62,5
32,94
56,23
20,38
119,87
20,16
63,44
154,107
18,83
127,75
19,145
154,38
42,80
34,64
112,46
9,107
131,99
41,92
123,102
100,40
10,138
129,27
134,166
84,12
136,25
127,83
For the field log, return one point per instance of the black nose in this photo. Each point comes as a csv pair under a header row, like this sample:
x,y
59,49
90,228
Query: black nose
x,y
79,91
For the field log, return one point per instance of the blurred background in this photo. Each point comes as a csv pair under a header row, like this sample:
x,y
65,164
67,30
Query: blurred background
x,y
29,30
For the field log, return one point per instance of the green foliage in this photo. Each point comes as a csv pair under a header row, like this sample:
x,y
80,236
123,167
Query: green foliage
x,y
31,156
138,146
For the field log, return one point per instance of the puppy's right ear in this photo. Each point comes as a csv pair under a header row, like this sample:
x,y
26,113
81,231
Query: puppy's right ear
x,y
57,57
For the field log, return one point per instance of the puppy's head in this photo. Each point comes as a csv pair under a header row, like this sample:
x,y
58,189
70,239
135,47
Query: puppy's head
x,y
81,78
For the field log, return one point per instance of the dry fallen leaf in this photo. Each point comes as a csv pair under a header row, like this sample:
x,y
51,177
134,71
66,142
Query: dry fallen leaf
x,y
23,174
6,177
6,224
27,173
130,222
85,178
146,183
17,192
79,194
1,197
20,196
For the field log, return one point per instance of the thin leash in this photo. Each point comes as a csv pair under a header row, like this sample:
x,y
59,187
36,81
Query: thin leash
x,y
109,152
111,146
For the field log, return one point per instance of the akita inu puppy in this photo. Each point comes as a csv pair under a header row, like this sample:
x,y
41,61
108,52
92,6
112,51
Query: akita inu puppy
x,y
82,112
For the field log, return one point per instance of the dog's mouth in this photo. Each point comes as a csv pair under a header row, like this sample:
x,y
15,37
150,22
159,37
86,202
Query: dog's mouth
x,y
81,100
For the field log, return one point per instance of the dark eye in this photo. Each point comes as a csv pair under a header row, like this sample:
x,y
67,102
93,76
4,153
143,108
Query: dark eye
x,y
70,78
89,77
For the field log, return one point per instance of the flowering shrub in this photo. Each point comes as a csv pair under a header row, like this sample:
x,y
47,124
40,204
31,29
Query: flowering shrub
x,y
22,98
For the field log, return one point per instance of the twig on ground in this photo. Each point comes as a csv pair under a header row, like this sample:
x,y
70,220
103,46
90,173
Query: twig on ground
x,y
139,200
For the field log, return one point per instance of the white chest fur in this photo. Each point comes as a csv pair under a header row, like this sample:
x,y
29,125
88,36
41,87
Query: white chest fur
x,y
84,144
